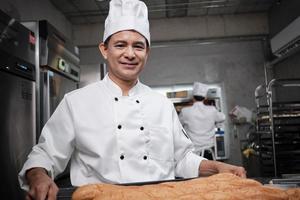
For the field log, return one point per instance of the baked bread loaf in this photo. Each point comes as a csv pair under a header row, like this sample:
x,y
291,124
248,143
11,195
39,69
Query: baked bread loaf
x,y
223,186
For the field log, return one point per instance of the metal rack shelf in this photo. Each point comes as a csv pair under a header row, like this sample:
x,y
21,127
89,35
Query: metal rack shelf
x,y
278,129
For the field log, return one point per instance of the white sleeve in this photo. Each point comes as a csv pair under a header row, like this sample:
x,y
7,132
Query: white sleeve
x,y
187,163
219,117
181,117
55,145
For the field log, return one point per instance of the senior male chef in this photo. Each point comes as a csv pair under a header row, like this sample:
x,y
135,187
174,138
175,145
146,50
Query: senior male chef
x,y
200,121
116,130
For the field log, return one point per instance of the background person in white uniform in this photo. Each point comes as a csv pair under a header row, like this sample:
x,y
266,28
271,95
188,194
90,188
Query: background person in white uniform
x,y
200,120
116,130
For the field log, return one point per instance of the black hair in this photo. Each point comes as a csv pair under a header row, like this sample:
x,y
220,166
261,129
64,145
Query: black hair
x,y
199,98
209,102
107,41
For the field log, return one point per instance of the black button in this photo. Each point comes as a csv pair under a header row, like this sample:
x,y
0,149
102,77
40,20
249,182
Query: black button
x,y
145,157
142,128
137,101
116,99
119,126
122,157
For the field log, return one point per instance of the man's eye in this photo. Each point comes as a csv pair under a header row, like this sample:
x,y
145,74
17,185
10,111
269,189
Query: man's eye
x,y
119,45
140,47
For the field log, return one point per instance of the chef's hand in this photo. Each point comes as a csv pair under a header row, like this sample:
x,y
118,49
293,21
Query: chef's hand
x,y
208,167
41,186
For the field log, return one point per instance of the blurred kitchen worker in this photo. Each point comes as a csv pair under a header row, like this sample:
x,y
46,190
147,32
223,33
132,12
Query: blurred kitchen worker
x,y
117,130
200,121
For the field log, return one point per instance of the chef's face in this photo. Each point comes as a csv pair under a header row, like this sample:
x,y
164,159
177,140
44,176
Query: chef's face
x,y
126,53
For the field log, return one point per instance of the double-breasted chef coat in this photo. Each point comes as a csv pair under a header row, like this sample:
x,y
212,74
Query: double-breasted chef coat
x,y
199,121
113,138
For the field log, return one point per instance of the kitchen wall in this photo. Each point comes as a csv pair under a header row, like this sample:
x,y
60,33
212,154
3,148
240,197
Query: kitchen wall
x,y
89,35
90,60
29,10
215,49
183,30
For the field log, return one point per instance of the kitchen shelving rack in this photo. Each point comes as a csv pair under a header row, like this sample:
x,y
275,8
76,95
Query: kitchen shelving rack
x,y
278,127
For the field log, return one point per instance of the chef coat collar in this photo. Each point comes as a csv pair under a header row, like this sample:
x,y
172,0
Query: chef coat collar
x,y
198,103
117,91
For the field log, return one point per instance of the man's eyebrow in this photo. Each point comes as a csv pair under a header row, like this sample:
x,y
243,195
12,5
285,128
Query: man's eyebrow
x,y
121,41
140,43
135,43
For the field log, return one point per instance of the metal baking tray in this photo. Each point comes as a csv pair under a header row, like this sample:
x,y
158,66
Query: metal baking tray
x,y
65,193
285,183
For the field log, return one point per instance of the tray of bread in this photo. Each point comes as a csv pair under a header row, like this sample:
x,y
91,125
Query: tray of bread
x,y
220,186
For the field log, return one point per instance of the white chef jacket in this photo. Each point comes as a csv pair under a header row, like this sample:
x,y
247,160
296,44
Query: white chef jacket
x,y
199,121
113,138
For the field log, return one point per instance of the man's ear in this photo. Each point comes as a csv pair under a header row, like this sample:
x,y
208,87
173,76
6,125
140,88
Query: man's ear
x,y
103,50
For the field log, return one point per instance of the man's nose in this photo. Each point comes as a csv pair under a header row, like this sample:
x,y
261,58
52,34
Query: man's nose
x,y
129,52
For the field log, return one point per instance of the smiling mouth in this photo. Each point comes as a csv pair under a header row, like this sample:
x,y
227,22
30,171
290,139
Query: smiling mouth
x,y
129,65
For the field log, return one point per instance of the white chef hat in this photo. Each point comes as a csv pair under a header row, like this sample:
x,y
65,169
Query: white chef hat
x,y
127,15
200,89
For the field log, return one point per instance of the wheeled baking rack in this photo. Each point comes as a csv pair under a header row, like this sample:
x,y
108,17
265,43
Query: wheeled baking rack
x,y
278,127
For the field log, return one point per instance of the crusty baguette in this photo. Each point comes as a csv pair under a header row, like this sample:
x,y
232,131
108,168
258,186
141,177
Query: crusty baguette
x,y
86,192
217,187
293,193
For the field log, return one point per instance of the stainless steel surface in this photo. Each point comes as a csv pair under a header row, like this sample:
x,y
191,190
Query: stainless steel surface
x,y
292,181
35,30
17,129
53,88
270,103
286,181
58,52
57,65
59,68
17,103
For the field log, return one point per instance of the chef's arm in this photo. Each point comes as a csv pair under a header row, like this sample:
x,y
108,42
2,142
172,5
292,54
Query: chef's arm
x,y
220,117
40,185
208,167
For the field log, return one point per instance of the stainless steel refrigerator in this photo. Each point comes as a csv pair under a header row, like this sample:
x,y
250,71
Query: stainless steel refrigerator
x,y
58,71
17,104
52,89
57,64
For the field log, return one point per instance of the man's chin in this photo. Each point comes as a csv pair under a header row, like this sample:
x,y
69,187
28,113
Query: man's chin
x,y
129,78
